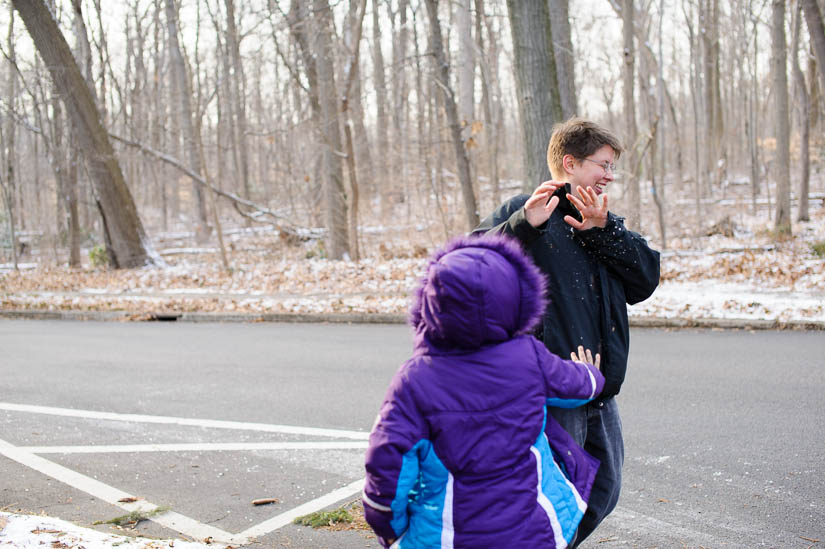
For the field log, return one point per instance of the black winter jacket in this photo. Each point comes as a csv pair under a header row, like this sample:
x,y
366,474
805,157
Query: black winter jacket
x,y
592,275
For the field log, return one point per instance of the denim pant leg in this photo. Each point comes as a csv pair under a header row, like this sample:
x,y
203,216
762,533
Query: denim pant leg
x,y
598,429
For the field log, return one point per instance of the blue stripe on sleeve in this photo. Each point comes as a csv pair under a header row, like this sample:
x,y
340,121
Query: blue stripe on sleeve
x,y
567,402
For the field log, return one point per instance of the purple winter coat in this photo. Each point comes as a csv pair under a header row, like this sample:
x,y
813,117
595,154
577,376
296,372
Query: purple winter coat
x,y
463,453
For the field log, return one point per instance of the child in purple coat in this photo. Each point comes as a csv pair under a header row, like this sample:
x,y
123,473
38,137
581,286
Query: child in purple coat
x,y
463,453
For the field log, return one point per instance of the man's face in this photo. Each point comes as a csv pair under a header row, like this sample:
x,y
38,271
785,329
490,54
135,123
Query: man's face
x,y
594,171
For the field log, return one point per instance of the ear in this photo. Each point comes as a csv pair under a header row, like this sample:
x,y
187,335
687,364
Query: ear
x,y
568,162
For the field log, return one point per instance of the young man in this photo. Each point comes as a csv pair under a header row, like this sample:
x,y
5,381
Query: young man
x,y
594,268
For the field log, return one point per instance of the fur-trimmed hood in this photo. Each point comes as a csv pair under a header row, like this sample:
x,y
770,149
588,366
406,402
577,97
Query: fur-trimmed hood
x,y
477,291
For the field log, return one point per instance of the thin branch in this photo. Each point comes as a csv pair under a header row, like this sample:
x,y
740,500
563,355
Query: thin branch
x,y
260,211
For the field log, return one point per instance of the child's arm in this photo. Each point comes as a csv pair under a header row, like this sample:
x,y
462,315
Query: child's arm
x,y
569,383
392,462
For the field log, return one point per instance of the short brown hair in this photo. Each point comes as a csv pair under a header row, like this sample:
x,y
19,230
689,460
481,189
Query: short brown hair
x,y
580,138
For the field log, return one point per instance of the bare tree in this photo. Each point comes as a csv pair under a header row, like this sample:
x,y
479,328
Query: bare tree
x,y
182,93
442,74
536,84
69,192
350,75
563,52
8,131
335,199
804,120
782,118
381,107
129,245
465,71
816,29
629,103
490,96
237,89
400,102
715,152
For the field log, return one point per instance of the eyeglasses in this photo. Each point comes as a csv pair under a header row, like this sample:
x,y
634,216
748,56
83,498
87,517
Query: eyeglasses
x,y
606,166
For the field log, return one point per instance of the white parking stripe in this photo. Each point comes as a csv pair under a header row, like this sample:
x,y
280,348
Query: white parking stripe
x,y
109,494
195,447
212,423
309,507
27,455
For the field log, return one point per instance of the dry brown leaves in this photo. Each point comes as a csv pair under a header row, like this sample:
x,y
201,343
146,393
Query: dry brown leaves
x,y
267,277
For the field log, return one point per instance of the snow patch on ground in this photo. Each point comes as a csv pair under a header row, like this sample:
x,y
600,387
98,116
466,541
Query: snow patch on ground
x,y
31,531
715,299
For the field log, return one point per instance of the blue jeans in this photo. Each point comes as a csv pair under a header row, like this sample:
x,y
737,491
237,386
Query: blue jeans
x,y
597,428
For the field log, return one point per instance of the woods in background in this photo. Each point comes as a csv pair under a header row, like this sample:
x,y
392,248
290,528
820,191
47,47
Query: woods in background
x,y
125,120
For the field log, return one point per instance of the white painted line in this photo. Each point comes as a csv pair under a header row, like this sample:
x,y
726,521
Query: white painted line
x,y
304,509
109,494
195,447
210,423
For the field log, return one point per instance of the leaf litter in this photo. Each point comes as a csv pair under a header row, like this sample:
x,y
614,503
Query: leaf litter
x,y
750,275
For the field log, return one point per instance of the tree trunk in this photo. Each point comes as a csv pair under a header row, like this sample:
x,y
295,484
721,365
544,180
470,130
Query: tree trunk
x,y
465,71
381,119
83,55
238,98
628,80
813,90
353,44
7,149
714,142
488,62
804,122
816,30
129,245
661,132
400,108
536,84
753,136
564,55
182,100
335,199
459,147
781,112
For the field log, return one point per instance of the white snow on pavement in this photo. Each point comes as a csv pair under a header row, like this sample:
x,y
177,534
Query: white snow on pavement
x,y
32,531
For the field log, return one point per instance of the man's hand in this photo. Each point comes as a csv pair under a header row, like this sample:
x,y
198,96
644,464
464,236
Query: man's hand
x,y
585,356
541,203
593,210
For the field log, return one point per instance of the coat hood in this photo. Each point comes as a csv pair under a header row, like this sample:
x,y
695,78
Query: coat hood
x,y
477,291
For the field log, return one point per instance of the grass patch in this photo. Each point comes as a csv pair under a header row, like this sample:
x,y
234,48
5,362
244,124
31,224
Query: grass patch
x,y
349,516
818,248
133,518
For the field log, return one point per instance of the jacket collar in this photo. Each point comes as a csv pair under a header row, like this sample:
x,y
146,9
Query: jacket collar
x,y
565,206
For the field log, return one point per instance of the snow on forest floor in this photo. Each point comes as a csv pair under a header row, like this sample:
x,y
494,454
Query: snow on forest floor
x,y
750,275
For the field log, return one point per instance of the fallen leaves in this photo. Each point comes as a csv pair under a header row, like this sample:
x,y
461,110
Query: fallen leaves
x,y
267,278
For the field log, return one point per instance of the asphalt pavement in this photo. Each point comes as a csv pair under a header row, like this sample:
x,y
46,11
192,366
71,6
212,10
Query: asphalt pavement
x,y
724,438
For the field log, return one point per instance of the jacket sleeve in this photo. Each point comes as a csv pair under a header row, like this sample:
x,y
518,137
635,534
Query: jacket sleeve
x,y
568,384
392,462
626,256
509,219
